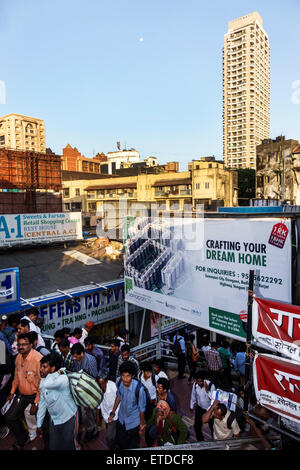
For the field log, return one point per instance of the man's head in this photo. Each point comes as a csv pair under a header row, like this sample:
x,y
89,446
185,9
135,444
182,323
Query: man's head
x,y
124,333
23,344
66,332
102,380
225,344
214,345
125,352
146,369
64,346
127,372
13,320
157,366
162,386
191,338
32,313
77,333
88,326
162,408
23,327
33,338
3,322
220,411
114,346
89,343
199,377
77,352
59,336
50,364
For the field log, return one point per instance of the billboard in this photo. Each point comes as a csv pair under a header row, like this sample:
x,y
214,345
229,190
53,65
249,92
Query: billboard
x,y
197,270
277,385
21,229
277,326
9,290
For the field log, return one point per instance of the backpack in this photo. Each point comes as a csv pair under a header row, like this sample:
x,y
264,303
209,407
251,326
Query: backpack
x,y
176,348
149,404
84,389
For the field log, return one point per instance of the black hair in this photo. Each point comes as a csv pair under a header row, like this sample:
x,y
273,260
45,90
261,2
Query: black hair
x,y
14,318
115,342
223,408
59,334
146,366
65,330
159,363
225,344
214,344
89,340
32,336
77,348
24,336
191,337
24,322
164,382
32,311
53,359
127,367
125,347
199,375
64,343
77,331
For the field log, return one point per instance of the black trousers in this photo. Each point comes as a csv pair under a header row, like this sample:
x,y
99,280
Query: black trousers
x,y
181,365
13,418
127,439
199,412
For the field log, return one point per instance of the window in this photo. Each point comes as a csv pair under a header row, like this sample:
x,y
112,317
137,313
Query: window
x,y
197,185
77,192
92,206
67,207
66,192
206,185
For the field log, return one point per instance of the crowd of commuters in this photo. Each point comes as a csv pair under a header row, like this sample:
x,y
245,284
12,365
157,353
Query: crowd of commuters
x,y
138,406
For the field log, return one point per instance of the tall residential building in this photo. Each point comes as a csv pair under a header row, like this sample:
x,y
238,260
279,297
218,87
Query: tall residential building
x,y
246,90
18,132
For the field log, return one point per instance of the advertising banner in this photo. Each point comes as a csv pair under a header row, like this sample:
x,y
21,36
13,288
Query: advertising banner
x,y
9,290
167,323
277,325
197,270
277,385
21,229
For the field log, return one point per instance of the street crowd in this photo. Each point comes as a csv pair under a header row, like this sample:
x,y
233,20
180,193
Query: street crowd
x,y
136,405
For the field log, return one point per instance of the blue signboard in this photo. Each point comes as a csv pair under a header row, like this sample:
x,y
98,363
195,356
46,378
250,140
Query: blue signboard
x,y
9,290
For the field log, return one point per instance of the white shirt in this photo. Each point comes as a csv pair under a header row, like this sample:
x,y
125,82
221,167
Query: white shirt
x,y
149,385
200,396
221,431
33,327
83,336
108,401
162,374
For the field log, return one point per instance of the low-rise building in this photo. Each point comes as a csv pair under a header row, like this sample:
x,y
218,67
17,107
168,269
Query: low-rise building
x,y
278,170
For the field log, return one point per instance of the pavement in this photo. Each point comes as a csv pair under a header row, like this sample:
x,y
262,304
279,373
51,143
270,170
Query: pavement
x,y
181,390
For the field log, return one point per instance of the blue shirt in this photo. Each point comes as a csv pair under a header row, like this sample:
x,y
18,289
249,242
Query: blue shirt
x,y
171,401
3,338
10,332
181,342
88,365
56,398
130,408
239,362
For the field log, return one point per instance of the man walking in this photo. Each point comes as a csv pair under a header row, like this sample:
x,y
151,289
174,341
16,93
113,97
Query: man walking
x,y
178,338
32,315
90,347
201,397
56,398
125,356
131,397
110,393
214,363
26,381
114,354
225,425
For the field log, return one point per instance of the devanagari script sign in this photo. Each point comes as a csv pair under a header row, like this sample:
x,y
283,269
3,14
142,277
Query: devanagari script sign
x,y
277,325
277,385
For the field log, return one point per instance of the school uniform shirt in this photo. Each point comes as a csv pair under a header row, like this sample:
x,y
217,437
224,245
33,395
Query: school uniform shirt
x,y
56,398
163,375
221,431
200,396
130,407
27,374
149,385
108,401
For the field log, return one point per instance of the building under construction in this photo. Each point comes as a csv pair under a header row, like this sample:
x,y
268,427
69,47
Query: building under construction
x,y
30,182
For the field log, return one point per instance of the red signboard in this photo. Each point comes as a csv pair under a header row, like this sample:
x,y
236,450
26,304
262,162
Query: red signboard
x,y
279,235
277,385
277,325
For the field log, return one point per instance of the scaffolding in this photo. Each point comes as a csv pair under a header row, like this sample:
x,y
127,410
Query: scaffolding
x,y
30,182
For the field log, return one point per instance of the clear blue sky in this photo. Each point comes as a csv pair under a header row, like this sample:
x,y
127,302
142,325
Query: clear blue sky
x,y
83,68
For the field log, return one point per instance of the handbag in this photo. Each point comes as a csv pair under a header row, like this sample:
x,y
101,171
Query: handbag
x,y
84,389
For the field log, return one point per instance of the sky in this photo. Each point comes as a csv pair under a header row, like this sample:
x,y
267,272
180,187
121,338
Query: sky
x,y
147,73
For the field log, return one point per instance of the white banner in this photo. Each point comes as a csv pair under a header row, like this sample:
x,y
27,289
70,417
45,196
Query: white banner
x,y
197,270
20,229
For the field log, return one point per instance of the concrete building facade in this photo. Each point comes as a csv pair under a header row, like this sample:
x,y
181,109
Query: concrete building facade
x,y
278,170
246,90
19,132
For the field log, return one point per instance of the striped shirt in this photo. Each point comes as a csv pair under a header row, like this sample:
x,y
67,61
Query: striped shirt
x,y
213,359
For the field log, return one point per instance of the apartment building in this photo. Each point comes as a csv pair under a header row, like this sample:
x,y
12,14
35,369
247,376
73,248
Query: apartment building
x,y
19,132
246,90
